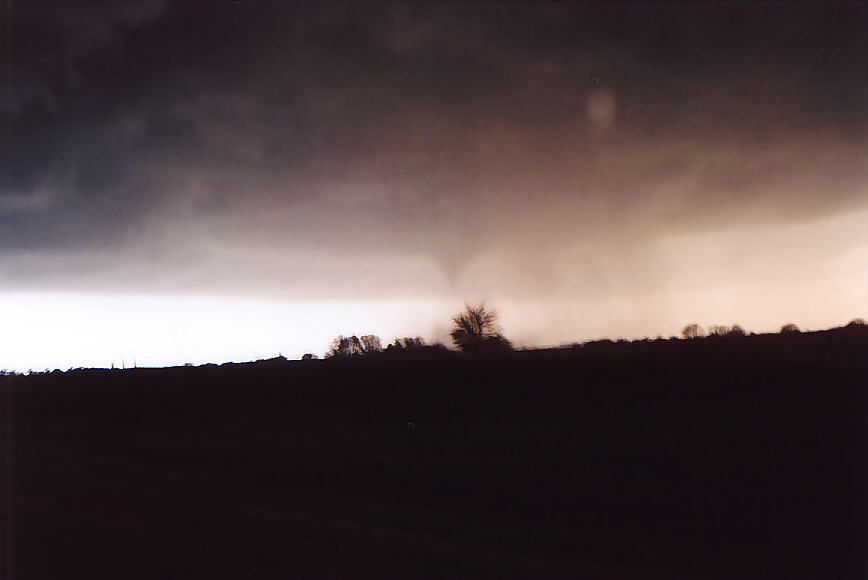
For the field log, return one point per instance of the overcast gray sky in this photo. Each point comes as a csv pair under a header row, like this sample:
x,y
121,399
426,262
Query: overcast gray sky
x,y
590,169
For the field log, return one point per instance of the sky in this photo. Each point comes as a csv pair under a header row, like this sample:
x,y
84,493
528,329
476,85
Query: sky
x,y
229,180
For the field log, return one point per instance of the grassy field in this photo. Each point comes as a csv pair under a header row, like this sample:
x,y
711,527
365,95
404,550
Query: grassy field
x,y
713,458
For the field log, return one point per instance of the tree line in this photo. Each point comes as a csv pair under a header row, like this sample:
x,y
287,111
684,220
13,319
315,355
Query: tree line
x,y
477,330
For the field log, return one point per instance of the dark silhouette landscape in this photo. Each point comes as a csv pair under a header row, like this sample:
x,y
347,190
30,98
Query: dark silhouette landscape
x,y
192,189
717,457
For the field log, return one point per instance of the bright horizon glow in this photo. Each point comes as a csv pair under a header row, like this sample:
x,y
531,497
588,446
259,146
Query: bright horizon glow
x,y
814,275
62,331
55,330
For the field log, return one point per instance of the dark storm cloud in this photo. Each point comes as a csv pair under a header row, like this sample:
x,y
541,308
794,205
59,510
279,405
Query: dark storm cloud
x,y
304,146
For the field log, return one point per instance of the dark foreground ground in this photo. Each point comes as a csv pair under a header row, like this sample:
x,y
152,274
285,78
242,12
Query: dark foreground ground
x,y
731,458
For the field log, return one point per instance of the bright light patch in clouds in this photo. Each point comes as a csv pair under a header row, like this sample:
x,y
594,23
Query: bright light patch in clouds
x,y
601,108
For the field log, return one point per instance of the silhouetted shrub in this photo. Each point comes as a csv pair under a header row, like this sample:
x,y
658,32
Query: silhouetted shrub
x,y
692,330
724,330
495,344
790,328
344,346
309,356
736,330
416,346
407,344
353,345
370,343
856,322
476,330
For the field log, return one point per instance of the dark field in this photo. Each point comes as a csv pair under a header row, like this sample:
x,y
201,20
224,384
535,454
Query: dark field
x,y
714,458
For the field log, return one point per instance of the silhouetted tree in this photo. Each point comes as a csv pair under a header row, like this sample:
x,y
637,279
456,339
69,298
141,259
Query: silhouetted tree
x,y
718,330
370,343
856,322
736,330
724,330
407,344
790,328
476,329
353,345
340,347
309,356
344,346
692,330
416,346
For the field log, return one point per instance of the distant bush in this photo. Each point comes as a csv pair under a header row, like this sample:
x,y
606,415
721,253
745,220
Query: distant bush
x,y
414,346
856,322
692,330
370,343
406,344
736,330
309,356
724,330
790,328
353,345
602,344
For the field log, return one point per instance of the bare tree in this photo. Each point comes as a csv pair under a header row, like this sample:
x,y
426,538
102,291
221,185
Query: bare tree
x,y
476,329
692,330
